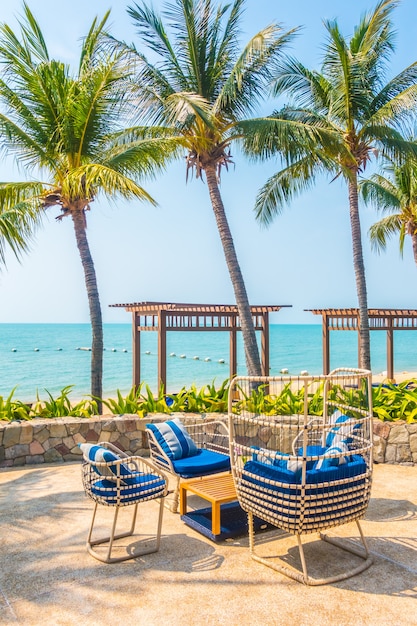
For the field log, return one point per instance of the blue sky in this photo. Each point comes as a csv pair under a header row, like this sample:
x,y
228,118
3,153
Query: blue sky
x,y
173,252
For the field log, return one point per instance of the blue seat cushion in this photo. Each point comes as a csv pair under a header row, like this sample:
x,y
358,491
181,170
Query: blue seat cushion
x,y
140,487
355,467
202,463
174,439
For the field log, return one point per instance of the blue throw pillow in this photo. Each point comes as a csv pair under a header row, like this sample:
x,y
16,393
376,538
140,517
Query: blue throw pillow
x,y
327,460
98,454
174,439
342,429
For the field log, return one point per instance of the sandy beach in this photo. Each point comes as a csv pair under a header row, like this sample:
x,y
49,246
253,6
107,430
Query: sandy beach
x,y
399,377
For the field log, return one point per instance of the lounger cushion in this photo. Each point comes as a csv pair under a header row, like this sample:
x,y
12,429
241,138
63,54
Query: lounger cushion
x,y
174,439
202,463
342,429
354,467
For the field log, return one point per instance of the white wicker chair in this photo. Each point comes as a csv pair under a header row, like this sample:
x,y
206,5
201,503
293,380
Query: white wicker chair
x,y
210,440
113,479
301,456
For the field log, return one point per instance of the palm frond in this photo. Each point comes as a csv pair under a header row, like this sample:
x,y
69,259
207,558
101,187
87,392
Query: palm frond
x,y
382,230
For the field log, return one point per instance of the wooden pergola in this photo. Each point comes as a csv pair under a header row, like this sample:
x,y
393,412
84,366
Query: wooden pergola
x,y
164,317
379,319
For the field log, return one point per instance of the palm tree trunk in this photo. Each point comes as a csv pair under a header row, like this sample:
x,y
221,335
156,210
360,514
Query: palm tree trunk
x,y
359,268
78,217
253,363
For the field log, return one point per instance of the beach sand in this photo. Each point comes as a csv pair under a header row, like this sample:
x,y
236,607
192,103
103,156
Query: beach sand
x,y
399,377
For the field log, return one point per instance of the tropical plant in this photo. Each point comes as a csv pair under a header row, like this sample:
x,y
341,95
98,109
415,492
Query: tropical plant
x,y
73,130
396,402
11,410
62,405
395,194
199,84
338,120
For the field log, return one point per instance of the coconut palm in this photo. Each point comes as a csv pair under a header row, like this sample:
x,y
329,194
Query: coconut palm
x,y
395,194
70,130
202,85
338,120
17,226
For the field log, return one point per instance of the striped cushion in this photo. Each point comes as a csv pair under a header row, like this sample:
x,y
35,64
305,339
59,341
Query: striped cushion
x,y
98,454
342,429
328,460
278,459
174,439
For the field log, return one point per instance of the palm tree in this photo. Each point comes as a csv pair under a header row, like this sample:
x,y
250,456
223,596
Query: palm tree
x,y
17,226
202,86
395,194
340,118
70,129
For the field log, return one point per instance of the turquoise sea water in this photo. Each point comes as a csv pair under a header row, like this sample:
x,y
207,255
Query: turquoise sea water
x,y
45,356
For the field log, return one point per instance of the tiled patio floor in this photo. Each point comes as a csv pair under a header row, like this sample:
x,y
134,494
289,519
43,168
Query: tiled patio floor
x,y
47,577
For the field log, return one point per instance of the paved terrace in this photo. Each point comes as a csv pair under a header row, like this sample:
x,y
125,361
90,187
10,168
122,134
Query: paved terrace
x,y
47,577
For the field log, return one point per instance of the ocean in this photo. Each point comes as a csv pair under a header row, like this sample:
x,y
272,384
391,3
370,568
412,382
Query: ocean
x,y
39,357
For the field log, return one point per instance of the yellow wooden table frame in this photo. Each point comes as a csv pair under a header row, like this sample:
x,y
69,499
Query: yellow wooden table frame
x,y
217,489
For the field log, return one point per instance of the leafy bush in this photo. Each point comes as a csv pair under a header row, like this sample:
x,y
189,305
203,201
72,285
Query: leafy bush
x,y
390,402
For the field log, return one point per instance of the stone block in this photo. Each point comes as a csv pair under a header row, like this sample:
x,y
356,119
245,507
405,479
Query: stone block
x,y
381,429
403,454
35,459
14,452
108,426
391,454
11,435
26,433
413,442
91,436
399,434
52,455
58,430
36,448
379,449
41,435
20,460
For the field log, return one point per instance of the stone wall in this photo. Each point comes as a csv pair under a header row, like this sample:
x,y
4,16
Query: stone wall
x,y
55,440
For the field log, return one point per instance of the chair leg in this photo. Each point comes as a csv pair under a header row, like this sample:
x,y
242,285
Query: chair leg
x,y
172,505
304,577
107,558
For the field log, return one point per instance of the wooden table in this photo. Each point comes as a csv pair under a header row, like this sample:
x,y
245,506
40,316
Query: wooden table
x,y
217,489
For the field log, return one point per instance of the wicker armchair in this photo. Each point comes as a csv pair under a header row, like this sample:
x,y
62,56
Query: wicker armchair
x,y
199,449
304,472
113,479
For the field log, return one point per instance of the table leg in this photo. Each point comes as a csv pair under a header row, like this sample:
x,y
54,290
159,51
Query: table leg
x,y
215,518
183,500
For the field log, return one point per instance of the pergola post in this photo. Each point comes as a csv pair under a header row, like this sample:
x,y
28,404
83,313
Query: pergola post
x,y
390,352
162,349
233,347
136,349
326,345
265,344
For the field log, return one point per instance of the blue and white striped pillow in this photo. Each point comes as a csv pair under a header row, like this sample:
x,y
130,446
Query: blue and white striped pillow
x,y
342,429
327,460
98,454
174,439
